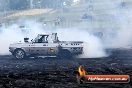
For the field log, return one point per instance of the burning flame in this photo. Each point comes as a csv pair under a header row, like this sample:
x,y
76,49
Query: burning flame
x,y
81,71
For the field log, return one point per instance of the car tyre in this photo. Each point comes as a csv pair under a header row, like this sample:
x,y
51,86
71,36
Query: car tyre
x,y
19,54
65,54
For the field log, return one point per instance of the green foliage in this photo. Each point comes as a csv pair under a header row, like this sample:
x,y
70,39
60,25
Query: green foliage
x,y
26,4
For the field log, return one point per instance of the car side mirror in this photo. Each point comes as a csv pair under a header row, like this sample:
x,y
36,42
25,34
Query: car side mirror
x,y
26,40
31,40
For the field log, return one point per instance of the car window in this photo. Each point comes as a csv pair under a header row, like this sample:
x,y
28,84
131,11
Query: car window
x,y
44,39
41,39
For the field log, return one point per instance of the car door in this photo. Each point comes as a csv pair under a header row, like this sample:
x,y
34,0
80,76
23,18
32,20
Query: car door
x,y
39,45
52,49
38,49
44,48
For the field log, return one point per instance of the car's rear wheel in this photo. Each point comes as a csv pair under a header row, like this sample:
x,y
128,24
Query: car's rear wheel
x,y
65,54
19,54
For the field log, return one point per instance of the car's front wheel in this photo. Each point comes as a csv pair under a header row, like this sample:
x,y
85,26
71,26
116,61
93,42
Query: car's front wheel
x,y
19,54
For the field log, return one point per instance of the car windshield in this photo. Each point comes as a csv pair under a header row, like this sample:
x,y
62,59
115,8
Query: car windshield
x,y
41,39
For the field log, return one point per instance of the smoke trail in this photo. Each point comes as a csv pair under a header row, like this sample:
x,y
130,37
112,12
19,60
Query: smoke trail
x,y
116,22
120,36
14,33
7,36
93,46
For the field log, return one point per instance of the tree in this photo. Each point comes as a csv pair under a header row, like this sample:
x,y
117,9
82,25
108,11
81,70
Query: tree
x,y
4,5
18,4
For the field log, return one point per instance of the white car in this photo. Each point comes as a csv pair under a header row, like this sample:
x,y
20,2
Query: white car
x,y
46,45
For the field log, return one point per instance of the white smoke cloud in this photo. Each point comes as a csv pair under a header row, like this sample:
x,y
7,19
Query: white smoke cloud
x,y
122,32
93,46
117,31
13,33
9,35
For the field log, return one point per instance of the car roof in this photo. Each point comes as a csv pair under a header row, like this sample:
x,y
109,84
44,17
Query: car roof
x,y
47,34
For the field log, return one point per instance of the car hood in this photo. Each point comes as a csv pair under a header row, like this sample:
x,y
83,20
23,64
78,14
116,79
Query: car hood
x,y
18,44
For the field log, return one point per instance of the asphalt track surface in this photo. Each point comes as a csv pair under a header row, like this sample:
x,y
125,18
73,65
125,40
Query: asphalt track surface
x,y
58,73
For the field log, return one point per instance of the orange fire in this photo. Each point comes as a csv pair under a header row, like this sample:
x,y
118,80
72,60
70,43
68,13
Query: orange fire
x,y
81,71
82,77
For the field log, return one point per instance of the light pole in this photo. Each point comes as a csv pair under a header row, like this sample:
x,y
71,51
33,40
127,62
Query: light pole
x,y
31,4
